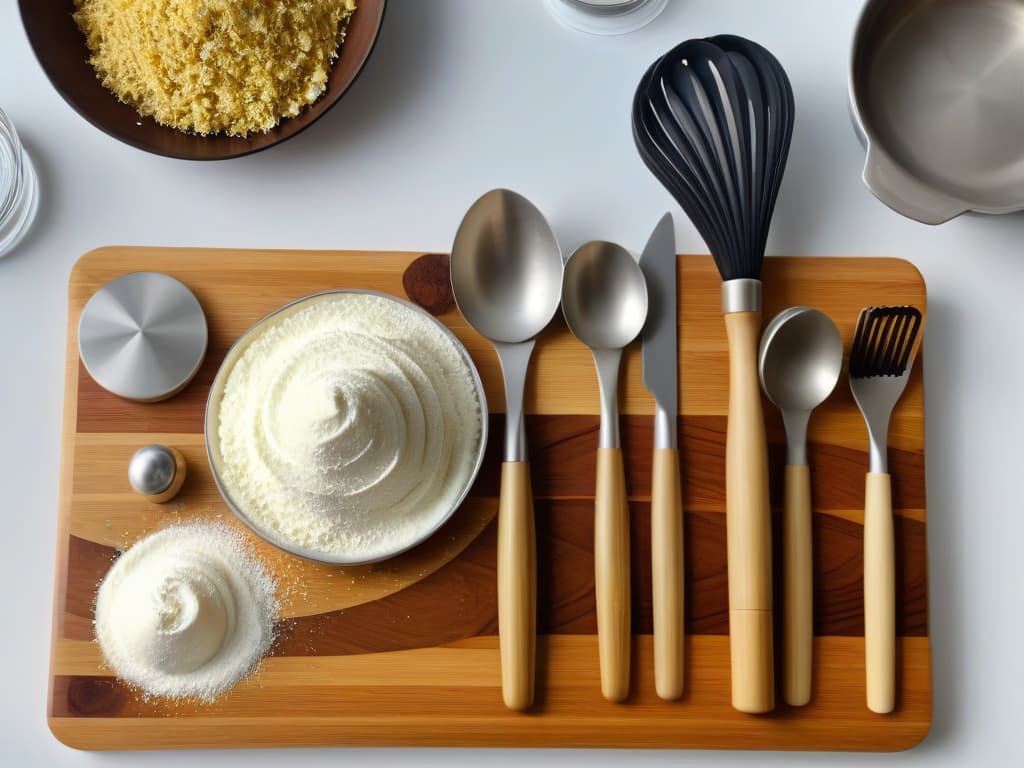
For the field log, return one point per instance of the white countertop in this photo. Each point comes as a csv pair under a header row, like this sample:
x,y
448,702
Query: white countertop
x,y
459,97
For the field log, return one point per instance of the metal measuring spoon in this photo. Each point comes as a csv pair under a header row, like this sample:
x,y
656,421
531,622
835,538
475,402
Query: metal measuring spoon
x,y
506,272
800,359
604,300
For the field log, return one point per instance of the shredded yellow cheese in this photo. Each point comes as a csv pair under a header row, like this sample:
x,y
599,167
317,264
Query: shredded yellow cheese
x,y
209,66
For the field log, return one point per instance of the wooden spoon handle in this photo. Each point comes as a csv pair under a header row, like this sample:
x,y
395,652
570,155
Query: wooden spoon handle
x,y
797,569
879,594
611,574
517,585
667,573
748,523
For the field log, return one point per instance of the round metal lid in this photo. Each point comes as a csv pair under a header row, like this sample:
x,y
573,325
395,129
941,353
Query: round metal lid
x,y
142,336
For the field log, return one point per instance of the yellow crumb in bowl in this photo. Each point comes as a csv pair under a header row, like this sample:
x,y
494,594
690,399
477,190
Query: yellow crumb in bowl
x,y
211,66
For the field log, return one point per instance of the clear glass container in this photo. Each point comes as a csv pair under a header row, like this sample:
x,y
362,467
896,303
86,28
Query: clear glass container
x,y
19,190
606,17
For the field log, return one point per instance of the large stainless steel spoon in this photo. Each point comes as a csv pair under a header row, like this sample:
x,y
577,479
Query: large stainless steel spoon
x,y
604,300
506,272
800,359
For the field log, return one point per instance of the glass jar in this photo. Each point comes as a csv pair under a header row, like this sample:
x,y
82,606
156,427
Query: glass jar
x,y
606,17
19,191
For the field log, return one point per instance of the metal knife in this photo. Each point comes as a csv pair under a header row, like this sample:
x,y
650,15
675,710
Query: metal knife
x,y
661,377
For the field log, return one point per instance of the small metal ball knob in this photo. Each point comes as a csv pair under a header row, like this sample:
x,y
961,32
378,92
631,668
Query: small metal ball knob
x,y
157,472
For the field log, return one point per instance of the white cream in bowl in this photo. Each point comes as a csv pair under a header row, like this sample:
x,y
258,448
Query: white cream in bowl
x,y
349,427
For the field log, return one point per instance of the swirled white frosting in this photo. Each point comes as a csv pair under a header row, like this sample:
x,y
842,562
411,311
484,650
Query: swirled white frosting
x,y
186,612
349,428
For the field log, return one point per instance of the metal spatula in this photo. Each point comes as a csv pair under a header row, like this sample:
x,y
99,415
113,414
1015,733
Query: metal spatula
x,y
882,355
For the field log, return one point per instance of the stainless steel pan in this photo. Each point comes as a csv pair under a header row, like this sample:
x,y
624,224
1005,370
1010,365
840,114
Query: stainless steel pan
x,y
937,95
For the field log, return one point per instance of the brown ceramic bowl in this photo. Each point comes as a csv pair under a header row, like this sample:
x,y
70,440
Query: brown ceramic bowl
x,y
60,47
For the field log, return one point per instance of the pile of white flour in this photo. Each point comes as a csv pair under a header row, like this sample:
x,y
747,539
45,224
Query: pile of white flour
x,y
350,427
186,612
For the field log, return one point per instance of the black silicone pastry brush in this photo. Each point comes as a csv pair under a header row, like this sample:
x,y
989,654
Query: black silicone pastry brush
x,y
713,120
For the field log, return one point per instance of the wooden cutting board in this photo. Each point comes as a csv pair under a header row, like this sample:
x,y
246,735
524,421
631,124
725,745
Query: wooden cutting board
x,y
406,652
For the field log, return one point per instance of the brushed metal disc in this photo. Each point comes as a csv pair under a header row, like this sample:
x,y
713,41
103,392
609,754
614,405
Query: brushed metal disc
x,y
142,336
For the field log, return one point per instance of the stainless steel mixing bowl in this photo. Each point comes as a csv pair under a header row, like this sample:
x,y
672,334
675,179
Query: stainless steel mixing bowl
x,y
212,422
936,95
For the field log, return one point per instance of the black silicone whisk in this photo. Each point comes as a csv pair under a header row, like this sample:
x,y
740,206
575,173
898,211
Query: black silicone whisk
x,y
713,120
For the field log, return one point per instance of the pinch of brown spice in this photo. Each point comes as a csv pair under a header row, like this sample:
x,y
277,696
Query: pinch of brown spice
x,y
211,66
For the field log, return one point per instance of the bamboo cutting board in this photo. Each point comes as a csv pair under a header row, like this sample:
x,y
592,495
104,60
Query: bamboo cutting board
x,y
406,652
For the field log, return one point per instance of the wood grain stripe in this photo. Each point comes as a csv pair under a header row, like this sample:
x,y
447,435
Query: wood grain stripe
x,y
837,422
564,450
334,701
258,283
458,601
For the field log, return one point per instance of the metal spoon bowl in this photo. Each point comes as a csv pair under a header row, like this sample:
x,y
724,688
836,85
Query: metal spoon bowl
x,y
506,268
800,359
604,297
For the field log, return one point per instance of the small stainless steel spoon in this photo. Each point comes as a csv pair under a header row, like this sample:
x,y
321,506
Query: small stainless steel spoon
x,y
604,300
800,359
506,272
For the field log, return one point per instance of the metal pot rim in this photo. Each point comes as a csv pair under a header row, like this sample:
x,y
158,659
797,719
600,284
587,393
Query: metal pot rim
x,y
887,177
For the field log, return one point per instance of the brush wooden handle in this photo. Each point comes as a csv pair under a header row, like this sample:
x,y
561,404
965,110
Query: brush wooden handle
x,y
879,594
611,573
517,585
748,523
667,573
797,609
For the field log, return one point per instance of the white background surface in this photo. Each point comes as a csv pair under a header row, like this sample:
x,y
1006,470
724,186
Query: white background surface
x,y
461,96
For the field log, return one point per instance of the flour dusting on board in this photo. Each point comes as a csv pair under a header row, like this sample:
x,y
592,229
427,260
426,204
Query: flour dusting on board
x,y
186,612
